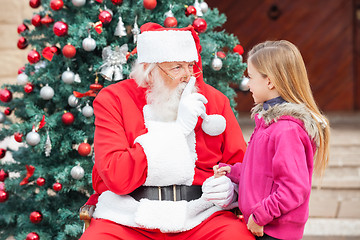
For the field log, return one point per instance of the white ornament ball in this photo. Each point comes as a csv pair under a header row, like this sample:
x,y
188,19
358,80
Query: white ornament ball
x,y
77,172
87,111
73,101
216,63
244,84
89,44
204,7
68,77
22,79
32,138
2,117
214,124
78,3
47,92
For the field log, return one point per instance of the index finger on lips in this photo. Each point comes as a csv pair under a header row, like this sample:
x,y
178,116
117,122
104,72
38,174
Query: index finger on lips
x,y
189,87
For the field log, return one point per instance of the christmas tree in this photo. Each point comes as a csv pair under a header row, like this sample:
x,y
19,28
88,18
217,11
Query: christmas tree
x,y
77,47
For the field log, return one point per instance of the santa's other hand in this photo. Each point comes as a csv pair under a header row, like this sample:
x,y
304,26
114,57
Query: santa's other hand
x,y
219,191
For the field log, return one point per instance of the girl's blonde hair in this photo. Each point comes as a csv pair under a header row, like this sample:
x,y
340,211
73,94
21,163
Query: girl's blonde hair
x,y
283,64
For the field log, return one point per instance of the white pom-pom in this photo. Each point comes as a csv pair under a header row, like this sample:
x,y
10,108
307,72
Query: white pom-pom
x,y
213,125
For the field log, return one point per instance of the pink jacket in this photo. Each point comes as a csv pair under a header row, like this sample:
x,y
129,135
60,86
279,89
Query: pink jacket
x,y
275,176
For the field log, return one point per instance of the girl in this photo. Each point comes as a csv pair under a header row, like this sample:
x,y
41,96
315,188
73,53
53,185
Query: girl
x,y
275,176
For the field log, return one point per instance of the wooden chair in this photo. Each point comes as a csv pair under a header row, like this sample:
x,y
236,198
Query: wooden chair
x,y
86,213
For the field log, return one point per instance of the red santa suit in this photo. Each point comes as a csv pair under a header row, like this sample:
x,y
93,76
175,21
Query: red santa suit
x,y
133,150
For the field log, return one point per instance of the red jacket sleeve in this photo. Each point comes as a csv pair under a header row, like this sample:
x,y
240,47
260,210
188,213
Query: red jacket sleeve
x,y
120,165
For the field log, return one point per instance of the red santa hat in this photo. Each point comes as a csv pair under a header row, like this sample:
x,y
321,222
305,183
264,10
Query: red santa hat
x,y
157,44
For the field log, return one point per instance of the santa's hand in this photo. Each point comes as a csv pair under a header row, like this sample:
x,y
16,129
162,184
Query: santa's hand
x,y
191,106
219,191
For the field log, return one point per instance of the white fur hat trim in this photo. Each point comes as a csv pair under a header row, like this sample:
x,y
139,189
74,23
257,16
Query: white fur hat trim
x,y
166,46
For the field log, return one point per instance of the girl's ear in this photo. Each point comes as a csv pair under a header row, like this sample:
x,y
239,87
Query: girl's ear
x,y
271,86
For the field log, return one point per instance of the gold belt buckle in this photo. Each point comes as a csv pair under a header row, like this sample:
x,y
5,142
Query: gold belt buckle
x,y
159,188
174,192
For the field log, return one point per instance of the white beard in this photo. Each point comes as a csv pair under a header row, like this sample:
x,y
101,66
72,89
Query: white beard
x,y
163,101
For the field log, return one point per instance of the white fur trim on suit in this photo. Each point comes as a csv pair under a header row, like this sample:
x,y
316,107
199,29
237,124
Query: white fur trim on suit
x,y
168,155
166,46
163,215
169,222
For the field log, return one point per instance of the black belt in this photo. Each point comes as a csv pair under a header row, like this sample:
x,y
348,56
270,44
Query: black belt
x,y
168,193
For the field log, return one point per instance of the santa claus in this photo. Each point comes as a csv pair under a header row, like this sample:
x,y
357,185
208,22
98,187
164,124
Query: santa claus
x,y
152,154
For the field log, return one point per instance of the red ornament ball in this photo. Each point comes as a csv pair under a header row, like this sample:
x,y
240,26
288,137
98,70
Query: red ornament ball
x,y
18,137
170,22
238,49
40,181
2,152
68,118
200,25
56,5
3,175
34,3
33,236
190,10
117,2
69,51
8,111
21,28
60,28
36,20
84,149
3,196
57,186
221,54
21,70
5,95
33,56
105,17
149,4
46,20
28,88
2,186
22,43
96,86
36,217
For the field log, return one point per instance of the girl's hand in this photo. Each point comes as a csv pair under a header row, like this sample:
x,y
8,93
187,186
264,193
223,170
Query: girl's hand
x,y
254,228
218,172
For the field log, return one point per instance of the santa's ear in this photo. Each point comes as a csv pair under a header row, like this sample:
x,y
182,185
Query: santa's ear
x,y
149,75
146,66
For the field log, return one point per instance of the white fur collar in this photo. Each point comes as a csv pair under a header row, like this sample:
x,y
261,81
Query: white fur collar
x,y
298,111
